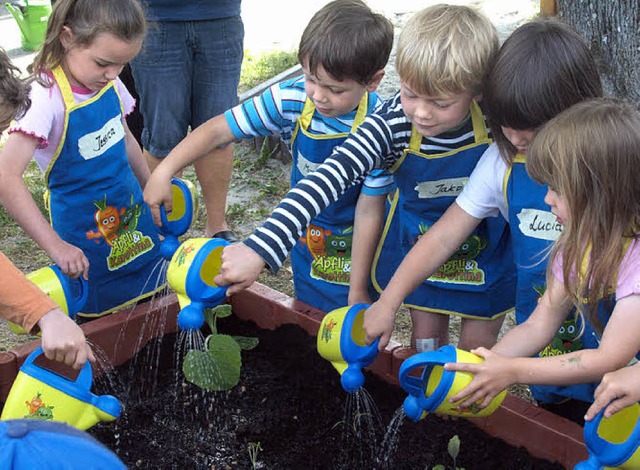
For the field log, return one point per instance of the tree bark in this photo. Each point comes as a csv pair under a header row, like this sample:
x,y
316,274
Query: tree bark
x,y
612,30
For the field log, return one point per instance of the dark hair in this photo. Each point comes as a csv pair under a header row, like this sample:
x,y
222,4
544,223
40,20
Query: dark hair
x,y
348,40
86,19
543,68
14,92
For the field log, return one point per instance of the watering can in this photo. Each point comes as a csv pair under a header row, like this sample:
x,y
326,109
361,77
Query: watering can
x,y
341,342
32,17
39,393
429,386
191,271
614,441
70,294
185,207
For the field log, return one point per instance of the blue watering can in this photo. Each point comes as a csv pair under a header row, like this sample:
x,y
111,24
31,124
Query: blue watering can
x,y
191,272
614,441
341,342
185,208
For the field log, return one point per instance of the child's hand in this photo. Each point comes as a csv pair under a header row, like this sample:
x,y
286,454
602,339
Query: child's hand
x,y
617,390
490,378
157,192
63,340
70,259
378,323
240,267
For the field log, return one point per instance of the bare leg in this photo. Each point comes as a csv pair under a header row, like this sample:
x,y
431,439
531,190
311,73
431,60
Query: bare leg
x,y
429,325
214,174
476,333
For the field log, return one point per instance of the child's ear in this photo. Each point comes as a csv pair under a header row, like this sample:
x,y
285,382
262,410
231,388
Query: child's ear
x,y
375,80
66,37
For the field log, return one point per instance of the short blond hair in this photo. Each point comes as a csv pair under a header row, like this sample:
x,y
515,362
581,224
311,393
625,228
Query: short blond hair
x,y
446,49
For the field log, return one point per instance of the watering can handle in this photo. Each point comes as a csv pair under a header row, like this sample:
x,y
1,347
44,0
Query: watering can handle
x,y
76,303
412,384
84,379
608,453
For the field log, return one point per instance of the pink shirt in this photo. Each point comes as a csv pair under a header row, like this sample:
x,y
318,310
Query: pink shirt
x,y
628,272
45,118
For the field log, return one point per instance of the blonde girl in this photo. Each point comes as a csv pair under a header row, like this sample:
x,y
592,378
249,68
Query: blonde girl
x,y
588,156
93,168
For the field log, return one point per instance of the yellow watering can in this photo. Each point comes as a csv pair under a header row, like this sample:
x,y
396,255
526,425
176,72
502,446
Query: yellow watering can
x,y
613,442
184,197
341,342
70,294
38,393
429,386
191,271
32,17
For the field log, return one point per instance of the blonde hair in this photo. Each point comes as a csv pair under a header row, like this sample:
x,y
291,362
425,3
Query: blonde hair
x,y
86,19
446,49
589,154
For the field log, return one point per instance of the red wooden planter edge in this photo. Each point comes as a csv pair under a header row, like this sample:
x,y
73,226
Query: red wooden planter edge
x,y
517,422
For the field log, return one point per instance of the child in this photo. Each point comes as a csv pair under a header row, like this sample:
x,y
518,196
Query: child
x,y
588,156
92,165
474,283
343,51
543,68
443,55
20,300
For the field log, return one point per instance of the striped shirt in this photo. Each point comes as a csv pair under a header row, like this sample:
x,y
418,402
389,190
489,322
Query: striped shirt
x,y
277,110
378,143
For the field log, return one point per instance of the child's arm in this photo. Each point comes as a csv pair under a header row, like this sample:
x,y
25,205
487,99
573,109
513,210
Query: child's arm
x,y
213,134
620,342
136,159
617,390
367,227
16,198
434,248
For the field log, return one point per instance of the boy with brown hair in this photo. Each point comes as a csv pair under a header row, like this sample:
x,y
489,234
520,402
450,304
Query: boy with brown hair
x,y
343,52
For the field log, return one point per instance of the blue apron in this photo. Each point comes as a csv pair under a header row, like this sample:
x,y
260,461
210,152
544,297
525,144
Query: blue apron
x,y
95,203
478,281
533,230
321,259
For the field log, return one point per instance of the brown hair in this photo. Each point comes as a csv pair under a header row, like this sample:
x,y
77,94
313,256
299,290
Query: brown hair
x,y
348,40
86,19
543,68
590,155
446,49
14,92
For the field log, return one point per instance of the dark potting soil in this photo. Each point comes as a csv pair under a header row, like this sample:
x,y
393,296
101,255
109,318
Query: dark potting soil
x,y
290,402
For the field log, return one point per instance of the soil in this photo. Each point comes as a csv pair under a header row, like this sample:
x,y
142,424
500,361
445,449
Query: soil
x,y
289,402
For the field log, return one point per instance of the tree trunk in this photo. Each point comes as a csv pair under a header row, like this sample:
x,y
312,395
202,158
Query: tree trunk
x,y
612,30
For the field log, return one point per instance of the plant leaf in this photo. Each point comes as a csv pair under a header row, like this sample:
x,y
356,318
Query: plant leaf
x,y
216,369
246,343
438,467
223,311
454,447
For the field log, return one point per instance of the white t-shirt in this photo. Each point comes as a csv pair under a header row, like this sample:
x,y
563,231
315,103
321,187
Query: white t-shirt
x,y
483,195
45,118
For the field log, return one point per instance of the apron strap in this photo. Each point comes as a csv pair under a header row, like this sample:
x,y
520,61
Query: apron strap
x,y
519,158
65,87
309,109
477,119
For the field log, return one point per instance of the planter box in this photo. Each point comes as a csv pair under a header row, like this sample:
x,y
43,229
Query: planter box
x,y
517,422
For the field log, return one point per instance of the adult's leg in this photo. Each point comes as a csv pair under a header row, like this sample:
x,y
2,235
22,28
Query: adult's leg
x,y
217,63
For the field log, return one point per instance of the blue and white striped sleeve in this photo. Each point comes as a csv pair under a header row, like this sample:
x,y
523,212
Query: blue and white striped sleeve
x,y
259,116
378,183
348,164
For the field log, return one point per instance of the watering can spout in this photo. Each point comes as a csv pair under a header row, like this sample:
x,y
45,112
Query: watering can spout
x,y
17,10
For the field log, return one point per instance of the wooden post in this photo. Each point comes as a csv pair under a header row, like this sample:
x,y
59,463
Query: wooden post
x,y
548,7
